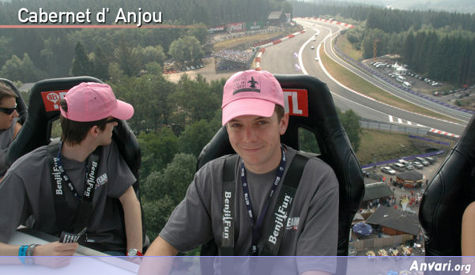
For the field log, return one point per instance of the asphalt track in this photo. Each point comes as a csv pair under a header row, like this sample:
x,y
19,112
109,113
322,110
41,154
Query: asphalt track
x,y
295,56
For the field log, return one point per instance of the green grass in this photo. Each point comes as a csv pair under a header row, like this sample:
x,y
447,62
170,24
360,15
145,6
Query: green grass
x,y
348,49
379,146
231,43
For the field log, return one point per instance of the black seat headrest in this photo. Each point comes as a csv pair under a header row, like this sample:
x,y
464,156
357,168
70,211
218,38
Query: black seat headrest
x,y
311,106
447,196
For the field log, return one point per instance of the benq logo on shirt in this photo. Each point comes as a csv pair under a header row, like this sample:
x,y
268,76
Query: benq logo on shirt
x,y
101,180
292,223
296,102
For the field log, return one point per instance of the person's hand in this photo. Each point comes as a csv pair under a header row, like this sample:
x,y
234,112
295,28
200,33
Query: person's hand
x,y
57,249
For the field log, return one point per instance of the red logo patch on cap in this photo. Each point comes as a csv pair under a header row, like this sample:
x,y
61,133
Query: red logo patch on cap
x,y
296,102
51,99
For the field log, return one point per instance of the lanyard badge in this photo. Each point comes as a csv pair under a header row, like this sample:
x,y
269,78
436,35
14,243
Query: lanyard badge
x,y
257,225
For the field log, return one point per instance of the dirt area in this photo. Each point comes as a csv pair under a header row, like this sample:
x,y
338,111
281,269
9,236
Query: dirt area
x,y
208,71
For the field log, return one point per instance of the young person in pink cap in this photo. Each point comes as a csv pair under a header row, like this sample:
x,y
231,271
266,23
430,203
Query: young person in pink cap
x,y
72,187
237,217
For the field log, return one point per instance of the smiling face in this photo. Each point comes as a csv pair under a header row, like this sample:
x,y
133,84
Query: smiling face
x,y
257,140
6,119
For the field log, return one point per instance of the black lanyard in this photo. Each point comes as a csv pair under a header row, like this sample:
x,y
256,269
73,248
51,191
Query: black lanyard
x,y
60,178
256,226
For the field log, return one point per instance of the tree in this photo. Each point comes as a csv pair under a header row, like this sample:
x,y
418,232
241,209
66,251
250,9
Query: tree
x,y
149,54
148,94
186,49
308,141
197,135
409,46
200,32
158,149
163,190
81,63
127,59
197,99
351,122
172,180
156,213
20,69
5,49
56,56
100,64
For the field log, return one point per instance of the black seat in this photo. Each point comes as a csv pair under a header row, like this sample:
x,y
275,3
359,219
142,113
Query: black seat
x,y
21,106
318,116
43,110
447,196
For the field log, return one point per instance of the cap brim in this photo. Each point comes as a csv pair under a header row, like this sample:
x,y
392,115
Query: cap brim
x,y
247,106
123,111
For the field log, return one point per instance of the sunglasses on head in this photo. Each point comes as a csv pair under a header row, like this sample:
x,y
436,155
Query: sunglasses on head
x,y
8,111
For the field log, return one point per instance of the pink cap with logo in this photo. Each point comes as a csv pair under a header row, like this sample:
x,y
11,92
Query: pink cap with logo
x,y
251,93
90,101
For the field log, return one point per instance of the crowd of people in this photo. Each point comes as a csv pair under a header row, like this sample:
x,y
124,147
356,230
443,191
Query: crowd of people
x,y
233,60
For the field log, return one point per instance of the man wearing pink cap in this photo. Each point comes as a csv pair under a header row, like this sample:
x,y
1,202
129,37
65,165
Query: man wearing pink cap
x,y
253,214
71,189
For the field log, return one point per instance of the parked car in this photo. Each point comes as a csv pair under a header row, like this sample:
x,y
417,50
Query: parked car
x,y
431,160
403,161
423,161
418,165
398,166
365,173
409,166
388,170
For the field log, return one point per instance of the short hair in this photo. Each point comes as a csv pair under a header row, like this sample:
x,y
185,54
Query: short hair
x,y
74,132
6,91
280,111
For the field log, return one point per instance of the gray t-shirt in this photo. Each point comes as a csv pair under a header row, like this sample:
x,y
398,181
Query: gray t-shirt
x,y
6,138
313,219
27,190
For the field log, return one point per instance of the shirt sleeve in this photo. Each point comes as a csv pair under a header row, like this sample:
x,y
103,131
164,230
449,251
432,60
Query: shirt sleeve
x,y
119,175
12,205
320,234
189,224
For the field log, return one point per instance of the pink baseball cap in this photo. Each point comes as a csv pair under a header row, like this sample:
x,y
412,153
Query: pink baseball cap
x,y
251,93
91,101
